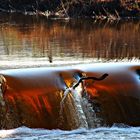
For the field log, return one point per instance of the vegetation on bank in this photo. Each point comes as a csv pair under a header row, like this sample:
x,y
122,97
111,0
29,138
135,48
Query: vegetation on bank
x,y
113,9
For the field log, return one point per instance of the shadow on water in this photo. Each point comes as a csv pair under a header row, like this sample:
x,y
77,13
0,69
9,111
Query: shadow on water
x,y
36,37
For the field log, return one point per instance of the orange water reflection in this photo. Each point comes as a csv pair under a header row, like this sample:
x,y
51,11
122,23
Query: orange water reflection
x,y
33,37
33,96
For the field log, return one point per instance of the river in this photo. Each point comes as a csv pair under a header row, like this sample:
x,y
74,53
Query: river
x,y
55,42
32,41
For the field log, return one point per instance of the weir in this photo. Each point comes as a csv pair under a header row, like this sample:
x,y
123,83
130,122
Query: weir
x,y
45,97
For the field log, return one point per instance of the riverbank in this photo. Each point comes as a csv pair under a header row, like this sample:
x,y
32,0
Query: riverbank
x,y
99,9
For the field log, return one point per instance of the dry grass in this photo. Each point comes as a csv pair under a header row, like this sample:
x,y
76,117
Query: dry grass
x,y
74,8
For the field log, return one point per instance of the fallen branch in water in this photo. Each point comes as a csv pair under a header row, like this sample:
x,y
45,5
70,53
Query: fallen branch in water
x,y
88,78
71,89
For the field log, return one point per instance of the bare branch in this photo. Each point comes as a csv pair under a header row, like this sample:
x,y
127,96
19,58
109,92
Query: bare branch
x,y
90,78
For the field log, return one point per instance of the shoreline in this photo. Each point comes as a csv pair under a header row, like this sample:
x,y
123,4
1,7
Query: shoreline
x,y
98,9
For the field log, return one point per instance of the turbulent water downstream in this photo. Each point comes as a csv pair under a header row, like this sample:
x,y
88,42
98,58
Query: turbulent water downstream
x,y
104,133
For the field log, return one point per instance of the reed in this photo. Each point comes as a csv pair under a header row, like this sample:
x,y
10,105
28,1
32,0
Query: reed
x,y
102,9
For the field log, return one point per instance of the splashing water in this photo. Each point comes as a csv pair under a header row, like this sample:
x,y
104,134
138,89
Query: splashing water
x,y
103,133
76,100
66,92
86,116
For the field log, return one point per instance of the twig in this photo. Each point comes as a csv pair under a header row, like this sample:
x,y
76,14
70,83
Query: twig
x,y
62,4
92,78
118,16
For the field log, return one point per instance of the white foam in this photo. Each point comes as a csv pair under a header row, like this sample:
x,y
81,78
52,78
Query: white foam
x,y
102,133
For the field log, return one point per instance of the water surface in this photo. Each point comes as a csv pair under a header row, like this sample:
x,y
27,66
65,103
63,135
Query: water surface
x,y
30,39
114,133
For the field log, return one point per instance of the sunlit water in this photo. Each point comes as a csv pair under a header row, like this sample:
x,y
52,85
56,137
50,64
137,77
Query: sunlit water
x,y
32,41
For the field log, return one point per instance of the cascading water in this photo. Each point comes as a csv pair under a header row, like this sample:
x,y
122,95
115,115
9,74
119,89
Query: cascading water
x,y
76,99
85,114
41,98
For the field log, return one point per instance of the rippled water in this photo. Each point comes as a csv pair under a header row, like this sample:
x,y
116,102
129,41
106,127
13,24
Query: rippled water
x,y
104,133
30,39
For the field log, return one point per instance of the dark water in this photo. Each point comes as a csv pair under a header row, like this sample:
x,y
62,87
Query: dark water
x,y
65,41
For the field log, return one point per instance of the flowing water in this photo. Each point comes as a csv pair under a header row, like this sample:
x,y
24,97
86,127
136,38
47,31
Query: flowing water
x,y
63,48
104,133
32,40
